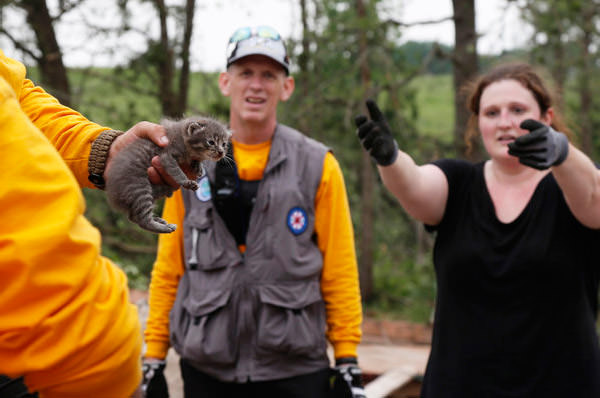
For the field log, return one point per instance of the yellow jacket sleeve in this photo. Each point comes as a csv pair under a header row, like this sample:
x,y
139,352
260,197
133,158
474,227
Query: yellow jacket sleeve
x,y
166,273
339,283
68,131
66,323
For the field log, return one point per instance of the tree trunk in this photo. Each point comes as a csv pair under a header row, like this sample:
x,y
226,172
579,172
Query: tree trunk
x,y
304,82
465,68
52,70
166,65
367,178
184,75
303,58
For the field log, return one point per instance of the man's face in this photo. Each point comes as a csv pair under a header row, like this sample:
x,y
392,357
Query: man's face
x,y
255,85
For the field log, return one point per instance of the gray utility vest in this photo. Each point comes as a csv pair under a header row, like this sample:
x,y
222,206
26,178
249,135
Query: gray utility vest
x,y
258,315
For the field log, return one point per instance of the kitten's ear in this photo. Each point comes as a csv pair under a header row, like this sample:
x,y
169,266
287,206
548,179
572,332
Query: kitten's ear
x,y
195,127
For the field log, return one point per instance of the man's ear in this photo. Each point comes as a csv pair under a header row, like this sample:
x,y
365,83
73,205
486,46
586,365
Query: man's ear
x,y
224,80
288,88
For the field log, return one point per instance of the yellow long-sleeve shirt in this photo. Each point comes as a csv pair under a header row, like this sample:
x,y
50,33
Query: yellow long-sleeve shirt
x,y
333,225
66,323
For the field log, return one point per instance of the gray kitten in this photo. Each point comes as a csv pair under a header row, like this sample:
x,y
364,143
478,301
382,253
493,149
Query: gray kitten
x,y
191,141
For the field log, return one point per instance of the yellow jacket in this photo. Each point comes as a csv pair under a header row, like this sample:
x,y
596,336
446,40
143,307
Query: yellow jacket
x,y
339,281
66,323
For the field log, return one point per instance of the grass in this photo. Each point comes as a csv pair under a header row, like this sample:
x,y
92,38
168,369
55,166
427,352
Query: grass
x,y
435,105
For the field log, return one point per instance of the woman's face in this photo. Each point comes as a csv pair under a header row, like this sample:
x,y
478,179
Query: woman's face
x,y
503,106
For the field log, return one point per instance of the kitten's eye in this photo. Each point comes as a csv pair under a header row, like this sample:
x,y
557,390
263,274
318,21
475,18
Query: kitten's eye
x,y
210,142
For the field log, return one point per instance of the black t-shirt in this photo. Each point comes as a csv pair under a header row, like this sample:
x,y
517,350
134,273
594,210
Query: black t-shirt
x,y
516,303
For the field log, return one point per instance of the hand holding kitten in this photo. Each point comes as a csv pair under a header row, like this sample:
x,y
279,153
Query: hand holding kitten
x,y
191,141
146,130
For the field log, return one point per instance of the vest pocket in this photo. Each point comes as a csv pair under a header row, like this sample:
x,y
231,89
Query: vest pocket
x,y
210,336
205,249
292,320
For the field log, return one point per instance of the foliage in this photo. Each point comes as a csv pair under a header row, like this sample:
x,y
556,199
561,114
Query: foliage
x,y
123,242
115,97
434,109
404,290
412,54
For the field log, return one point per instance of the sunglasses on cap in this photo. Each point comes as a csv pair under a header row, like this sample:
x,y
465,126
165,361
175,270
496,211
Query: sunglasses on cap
x,y
260,40
266,32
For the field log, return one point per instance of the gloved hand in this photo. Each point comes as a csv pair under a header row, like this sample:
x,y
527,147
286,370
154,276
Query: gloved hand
x,y
376,137
347,379
154,383
15,388
542,148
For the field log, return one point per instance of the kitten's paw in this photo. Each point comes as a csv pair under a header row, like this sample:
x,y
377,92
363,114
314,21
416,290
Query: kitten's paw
x,y
171,227
159,226
190,184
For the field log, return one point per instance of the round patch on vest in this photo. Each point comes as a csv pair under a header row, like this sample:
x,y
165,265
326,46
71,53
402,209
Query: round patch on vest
x,y
203,191
297,220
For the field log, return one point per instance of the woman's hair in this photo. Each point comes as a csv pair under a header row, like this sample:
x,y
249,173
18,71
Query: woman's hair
x,y
524,74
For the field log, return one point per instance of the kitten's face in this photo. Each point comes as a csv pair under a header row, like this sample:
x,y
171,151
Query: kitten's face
x,y
207,139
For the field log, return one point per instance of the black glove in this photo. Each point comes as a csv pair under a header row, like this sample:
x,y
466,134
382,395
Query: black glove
x,y
376,137
346,381
15,388
542,148
154,384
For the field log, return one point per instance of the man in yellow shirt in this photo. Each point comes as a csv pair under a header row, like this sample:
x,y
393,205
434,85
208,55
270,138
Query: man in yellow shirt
x,y
262,271
67,328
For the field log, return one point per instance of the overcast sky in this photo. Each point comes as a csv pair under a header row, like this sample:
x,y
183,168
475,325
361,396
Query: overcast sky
x,y
217,19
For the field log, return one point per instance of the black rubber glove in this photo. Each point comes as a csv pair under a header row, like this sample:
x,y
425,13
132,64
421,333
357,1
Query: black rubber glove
x,y
15,388
154,384
542,148
376,137
346,381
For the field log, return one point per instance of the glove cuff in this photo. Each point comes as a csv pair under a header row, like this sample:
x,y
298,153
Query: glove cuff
x,y
346,361
149,369
390,158
563,148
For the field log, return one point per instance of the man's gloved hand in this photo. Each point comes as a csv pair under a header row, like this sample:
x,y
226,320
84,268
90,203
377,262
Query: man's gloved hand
x,y
542,148
346,381
154,383
376,137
